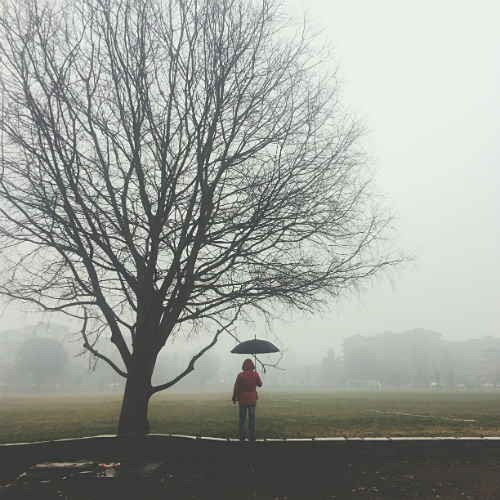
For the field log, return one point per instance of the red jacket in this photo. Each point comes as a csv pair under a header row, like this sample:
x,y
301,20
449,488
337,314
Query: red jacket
x,y
245,386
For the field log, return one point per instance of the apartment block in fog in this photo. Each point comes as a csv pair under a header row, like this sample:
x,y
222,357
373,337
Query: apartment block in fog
x,y
421,358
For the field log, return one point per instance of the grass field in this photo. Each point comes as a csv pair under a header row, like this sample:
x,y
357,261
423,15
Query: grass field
x,y
279,415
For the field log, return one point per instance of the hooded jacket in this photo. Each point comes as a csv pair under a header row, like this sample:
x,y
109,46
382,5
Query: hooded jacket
x,y
246,383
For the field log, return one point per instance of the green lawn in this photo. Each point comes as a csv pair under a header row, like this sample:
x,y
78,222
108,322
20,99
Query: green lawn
x,y
279,415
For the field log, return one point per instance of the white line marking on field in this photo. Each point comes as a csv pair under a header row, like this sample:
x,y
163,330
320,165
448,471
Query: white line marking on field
x,y
408,414
386,412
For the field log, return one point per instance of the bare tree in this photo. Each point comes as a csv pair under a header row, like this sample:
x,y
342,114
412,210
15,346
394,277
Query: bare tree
x,y
172,164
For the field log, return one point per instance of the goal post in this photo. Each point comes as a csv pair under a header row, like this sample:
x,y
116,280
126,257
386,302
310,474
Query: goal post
x,y
363,385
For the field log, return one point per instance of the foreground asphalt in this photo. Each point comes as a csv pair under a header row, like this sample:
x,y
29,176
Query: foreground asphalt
x,y
282,476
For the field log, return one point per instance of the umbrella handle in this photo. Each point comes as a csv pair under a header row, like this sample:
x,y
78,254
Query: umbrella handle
x,y
255,357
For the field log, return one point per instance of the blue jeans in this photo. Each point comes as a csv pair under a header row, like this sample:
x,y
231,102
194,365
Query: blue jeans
x,y
251,420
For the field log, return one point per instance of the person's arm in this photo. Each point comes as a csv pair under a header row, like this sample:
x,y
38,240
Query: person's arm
x,y
236,390
258,380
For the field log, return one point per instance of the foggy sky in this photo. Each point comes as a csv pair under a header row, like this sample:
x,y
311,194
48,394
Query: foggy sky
x,y
426,78
426,75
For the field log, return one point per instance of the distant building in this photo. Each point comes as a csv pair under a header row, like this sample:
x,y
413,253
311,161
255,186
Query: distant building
x,y
77,375
479,361
48,330
421,358
396,359
10,340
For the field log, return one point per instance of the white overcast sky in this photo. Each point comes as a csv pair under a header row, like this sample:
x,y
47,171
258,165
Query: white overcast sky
x,y
426,77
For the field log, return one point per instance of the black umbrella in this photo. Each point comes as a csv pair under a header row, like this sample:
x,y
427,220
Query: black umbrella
x,y
255,346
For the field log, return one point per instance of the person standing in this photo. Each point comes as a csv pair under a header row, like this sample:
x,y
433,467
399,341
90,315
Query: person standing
x,y
245,392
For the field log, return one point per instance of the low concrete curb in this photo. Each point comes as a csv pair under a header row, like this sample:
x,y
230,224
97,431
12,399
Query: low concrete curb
x,y
158,446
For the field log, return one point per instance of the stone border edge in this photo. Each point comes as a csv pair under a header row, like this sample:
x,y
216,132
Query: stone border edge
x,y
491,442
157,446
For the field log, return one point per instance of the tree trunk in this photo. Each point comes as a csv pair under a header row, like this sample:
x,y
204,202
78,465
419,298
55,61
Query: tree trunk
x,y
134,412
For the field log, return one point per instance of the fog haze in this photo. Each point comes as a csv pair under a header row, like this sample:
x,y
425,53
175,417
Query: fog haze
x,y
426,77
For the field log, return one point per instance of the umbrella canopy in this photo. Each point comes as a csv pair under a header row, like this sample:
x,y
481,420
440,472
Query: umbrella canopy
x,y
255,346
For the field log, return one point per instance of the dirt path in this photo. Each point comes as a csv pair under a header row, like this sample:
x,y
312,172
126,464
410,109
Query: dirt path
x,y
284,478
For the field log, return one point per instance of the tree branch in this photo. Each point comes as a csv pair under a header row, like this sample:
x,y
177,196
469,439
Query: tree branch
x,y
96,353
190,366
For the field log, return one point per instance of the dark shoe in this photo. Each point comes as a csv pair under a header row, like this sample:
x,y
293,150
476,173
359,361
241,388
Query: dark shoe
x,y
242,438
251,438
